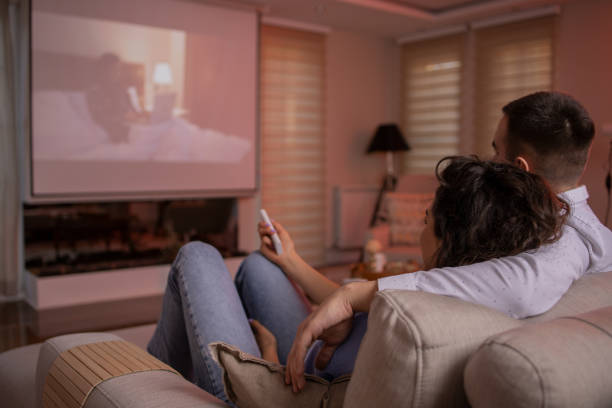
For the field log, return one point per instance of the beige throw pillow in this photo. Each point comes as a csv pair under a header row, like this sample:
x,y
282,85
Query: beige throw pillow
x,y
251,382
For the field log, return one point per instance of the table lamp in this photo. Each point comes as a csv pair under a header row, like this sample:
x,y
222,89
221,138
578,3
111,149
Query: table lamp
x,y
389,139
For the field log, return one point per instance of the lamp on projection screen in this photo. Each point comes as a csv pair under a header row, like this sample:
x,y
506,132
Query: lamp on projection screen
x,y
144,98
162,74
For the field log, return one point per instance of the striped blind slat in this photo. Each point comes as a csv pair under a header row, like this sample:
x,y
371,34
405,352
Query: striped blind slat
x,y
302,82
294,58
289,186
288,157
290,179
282,108
513,60
291,91
292,83
301,207
290,127
424,81
441,104
433,139
298,134
278,66
299,195
303,121
528,57
522,72
447,115
432,81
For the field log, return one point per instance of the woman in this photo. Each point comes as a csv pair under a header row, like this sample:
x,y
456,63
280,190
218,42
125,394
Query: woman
x,y
481,210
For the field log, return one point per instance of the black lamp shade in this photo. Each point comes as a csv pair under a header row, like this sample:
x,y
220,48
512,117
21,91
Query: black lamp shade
x,y
388,138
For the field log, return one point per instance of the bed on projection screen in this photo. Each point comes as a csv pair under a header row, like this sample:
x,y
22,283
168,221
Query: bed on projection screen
x,y
109,123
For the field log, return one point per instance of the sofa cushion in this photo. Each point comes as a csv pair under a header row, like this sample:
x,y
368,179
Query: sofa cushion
x,y
426,340
417,344
17,372
560,363
251,382
151,389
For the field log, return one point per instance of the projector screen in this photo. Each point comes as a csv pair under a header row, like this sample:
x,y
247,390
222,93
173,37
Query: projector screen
x,y
142,98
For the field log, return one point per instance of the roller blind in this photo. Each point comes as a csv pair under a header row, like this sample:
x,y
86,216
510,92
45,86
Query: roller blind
x,y
293,135
512,60
432,81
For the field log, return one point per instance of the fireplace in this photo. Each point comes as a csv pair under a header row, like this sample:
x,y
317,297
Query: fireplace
x,y
86,237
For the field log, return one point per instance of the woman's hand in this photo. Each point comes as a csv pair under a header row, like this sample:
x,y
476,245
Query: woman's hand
x,y
332,323
267,247
265,341
315,285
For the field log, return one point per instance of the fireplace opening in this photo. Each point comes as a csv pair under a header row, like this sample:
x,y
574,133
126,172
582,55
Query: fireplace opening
x,y
86,237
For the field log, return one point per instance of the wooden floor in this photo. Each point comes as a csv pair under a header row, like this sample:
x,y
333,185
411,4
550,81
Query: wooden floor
x,y
20,324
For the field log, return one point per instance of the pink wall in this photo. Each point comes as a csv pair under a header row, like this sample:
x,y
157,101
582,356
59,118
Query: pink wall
x,y
584,70
362,91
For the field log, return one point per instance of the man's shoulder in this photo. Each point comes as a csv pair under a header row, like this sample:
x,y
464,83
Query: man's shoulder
x,y
583,219
583,225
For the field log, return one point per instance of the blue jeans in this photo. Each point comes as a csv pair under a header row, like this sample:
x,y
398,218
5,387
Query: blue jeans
x,y
202,305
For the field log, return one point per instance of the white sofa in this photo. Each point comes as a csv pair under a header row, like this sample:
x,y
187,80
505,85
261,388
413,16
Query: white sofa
x,y
414,354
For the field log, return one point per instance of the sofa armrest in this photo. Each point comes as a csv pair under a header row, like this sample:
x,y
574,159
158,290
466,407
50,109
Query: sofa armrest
x,y
134,390
560,363
416,347
17,372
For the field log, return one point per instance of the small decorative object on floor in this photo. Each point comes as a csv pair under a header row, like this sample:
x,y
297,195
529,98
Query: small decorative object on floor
x,y
374,258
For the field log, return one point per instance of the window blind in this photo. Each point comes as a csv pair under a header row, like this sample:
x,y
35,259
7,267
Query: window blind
x,y
431,113
292,70
512,60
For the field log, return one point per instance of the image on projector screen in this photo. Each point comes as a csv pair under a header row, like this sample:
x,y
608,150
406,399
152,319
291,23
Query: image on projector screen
x,y
162,94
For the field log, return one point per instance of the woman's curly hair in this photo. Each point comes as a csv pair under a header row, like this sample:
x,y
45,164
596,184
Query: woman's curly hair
x,y
484,210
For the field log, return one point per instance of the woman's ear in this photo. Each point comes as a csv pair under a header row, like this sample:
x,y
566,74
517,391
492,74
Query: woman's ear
x,y
522,163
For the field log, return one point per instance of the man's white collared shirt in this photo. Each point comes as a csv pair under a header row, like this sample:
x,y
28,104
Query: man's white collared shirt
x,y
529,283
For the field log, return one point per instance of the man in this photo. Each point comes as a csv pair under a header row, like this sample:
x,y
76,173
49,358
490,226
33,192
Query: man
x,y
547,133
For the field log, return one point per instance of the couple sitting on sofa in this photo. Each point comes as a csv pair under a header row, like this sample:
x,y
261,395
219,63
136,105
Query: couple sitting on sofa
x,y
495,235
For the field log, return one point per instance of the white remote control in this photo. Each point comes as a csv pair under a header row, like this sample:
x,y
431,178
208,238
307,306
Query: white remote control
x,y
275,238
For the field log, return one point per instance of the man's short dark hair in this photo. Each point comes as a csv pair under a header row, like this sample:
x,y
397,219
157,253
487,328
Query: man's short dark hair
x,y
555,129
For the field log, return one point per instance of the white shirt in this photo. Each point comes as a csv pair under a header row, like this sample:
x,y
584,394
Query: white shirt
x,y
529,283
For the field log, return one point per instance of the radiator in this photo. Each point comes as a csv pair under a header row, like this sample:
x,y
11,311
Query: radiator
x,y
353,207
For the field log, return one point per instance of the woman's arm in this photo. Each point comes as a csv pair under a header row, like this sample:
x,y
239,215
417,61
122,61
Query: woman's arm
x,y
316,286
332,323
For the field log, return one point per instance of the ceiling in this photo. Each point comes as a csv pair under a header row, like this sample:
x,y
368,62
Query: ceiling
x,y
390,18
437,5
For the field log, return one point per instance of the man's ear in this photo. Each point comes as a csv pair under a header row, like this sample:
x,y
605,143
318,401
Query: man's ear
x,y
521,162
